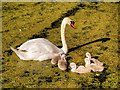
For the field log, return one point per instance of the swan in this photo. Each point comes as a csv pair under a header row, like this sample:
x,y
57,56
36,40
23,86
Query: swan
x,y
41,49
80,69
93,63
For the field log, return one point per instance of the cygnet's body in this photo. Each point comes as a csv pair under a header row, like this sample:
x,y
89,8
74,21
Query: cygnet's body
x,y
80,69
60,61
62,64
93,63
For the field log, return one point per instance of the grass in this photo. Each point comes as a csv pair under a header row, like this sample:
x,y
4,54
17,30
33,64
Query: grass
x,y
97,33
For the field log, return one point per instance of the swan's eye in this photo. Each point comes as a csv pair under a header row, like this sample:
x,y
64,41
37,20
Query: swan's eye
x,y
72,22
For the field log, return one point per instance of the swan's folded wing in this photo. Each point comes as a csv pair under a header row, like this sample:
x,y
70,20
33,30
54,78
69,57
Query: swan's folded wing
x,y
39,45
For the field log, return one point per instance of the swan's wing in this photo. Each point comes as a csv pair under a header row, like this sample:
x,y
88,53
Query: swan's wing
x,y
39,45
37,49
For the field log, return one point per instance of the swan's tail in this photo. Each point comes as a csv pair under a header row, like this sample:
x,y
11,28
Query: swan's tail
x,y
20,54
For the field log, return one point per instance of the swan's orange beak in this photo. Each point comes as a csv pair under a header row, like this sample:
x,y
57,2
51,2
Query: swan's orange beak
x,y
72,25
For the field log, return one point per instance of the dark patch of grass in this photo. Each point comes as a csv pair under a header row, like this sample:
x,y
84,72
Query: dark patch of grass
x,y
44,79
87,28
9,52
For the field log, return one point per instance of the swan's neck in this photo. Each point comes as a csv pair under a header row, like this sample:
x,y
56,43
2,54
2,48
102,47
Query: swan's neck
x,y
64,48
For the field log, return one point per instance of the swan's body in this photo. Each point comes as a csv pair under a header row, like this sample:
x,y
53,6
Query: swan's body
x,y
42,49
32,50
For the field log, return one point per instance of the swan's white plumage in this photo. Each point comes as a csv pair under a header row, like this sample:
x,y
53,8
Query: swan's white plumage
x,y
37,49
42,49
40,45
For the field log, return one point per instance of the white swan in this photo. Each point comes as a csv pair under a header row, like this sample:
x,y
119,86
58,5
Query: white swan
x,y
42,49
93,63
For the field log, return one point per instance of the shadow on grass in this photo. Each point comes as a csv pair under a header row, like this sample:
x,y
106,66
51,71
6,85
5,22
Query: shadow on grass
x,y
98,40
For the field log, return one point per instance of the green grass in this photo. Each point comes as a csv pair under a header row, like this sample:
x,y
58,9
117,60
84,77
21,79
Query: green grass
x,y
97,33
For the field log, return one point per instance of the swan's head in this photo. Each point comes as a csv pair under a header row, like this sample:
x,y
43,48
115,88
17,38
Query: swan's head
x,y
73,66
70,22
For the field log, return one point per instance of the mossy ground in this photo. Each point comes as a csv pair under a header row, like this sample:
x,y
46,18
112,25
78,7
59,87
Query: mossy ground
x,y
97,33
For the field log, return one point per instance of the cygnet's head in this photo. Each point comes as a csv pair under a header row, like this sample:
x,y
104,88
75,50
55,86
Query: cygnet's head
x,y
73,66
88,55
68,21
